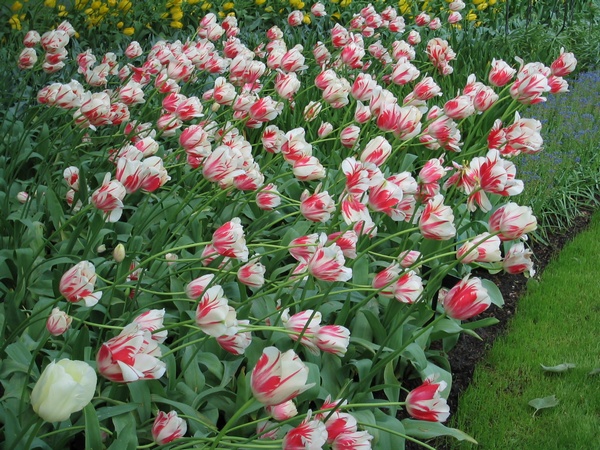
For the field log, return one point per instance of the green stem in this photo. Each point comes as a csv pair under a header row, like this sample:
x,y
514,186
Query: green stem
x,y
231,422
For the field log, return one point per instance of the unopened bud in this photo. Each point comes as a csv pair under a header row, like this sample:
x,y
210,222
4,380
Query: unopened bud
x,y
101,248
171,258
119,253
23,197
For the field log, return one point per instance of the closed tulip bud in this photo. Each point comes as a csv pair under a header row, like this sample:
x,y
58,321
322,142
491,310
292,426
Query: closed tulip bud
x,y
168,427
283,411
119,253
63,388
22,197
425,402
58,322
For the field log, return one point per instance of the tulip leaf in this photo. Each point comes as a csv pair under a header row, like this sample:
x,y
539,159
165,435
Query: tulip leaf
x,y
427,430
93,438
560,368
541,403
110,411
493,292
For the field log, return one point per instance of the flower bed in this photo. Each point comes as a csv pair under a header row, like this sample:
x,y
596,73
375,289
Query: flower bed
x,y
265,243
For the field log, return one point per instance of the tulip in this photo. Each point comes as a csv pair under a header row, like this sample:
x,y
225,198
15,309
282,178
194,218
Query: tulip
x,y
310,434
278,377
425,403
466,299
78,284
436,222
228,240
63,388
512,221
332,339
518,260
58,322
131,356
284,411
168,427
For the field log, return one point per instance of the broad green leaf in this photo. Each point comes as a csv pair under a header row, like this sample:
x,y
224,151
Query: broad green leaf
x,y
110,411
559,368
126,429
541,403
392,392
426,430
93,438
494,292
140,394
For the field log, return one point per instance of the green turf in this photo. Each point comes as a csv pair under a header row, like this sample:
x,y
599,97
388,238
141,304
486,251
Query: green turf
x,y
556,322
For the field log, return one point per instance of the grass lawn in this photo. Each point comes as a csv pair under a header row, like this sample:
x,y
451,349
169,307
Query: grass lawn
x,y
556,323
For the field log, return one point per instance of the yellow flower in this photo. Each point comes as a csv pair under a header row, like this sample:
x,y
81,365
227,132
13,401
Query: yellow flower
x,y
96,5
345,3
206,6
269,9
125,5
492,2
336,16
335,1
471,16
128,31
50,3
62,11
298,4
306,19
227,6
120,25
112,3
16,6
477,2
176,13
259,2
104,9
482,6
221,14
80,4
14,22
193,2
176,24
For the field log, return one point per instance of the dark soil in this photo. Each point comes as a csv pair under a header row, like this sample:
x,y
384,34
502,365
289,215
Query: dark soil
x,y
469,350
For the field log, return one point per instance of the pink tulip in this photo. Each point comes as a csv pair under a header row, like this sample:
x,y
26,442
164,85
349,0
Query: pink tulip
x,y
236,343
228,240
332,339
168,427
327,264
436,221
564,64
78,284
482,248
310,434
252,274
58,322
518,260
130,356
512,221
468,298
425,402
278,377
213,314
283,411
295,18
317,207
152,321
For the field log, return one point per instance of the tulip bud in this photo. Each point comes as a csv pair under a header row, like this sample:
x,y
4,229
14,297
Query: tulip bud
x,y
58,322
63,388
101,248
22,197
119,253
168,427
